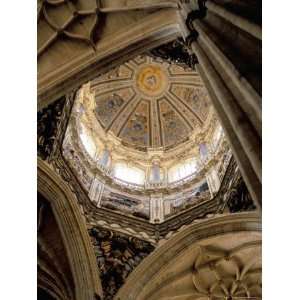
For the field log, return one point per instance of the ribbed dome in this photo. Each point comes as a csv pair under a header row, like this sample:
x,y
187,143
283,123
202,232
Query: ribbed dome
x,y
149,103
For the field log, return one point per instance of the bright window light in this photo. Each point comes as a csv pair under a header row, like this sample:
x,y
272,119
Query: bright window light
x,y
183,170
130,174
217,136
87,141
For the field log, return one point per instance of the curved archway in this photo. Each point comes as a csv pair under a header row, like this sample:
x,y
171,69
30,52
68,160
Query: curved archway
x,y
73,232
178,268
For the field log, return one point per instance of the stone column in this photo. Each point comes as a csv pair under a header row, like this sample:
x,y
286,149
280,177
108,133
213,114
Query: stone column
x,y
156,208
167,208
236,20
246,96
235,101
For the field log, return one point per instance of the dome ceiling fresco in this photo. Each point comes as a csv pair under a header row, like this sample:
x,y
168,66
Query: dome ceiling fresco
x,y
148,103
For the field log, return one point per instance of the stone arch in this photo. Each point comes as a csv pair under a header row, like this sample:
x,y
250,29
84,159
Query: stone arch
x,y
174,263
73,232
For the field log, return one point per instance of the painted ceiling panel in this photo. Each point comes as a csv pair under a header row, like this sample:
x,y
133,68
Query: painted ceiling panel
x,y
196,98
147,102
109,105
137,128
174,130
120,73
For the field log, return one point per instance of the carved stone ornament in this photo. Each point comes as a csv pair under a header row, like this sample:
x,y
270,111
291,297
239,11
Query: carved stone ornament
x,y
175,52
234,274
66,17
47,125
117,256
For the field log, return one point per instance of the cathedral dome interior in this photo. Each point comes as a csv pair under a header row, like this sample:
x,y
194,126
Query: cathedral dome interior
x,y
148,103
147,130
149,150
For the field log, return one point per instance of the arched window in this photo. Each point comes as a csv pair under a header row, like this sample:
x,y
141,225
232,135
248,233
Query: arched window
x,y
183,170
87,141
128,173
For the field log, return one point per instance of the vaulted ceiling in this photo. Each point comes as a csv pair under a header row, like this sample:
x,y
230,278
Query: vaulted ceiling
x,y
77,38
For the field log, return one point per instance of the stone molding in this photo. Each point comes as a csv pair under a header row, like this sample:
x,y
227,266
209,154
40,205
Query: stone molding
x,y
73,230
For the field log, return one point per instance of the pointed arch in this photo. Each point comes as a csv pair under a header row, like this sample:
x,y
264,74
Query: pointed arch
x,y
73,232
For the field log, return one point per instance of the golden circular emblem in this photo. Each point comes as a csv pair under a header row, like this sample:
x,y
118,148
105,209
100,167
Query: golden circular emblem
x,y
152,80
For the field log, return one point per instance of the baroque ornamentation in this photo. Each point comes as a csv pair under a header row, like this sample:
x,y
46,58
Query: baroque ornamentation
x,y
117,255
175,204
149,103
47,125
238,198
136,215
134,206
175,52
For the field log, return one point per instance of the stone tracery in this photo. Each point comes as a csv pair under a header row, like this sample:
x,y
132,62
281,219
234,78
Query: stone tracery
x,y
231,277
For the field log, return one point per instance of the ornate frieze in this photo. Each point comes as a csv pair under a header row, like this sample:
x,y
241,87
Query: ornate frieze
x,y
177,203
137,206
